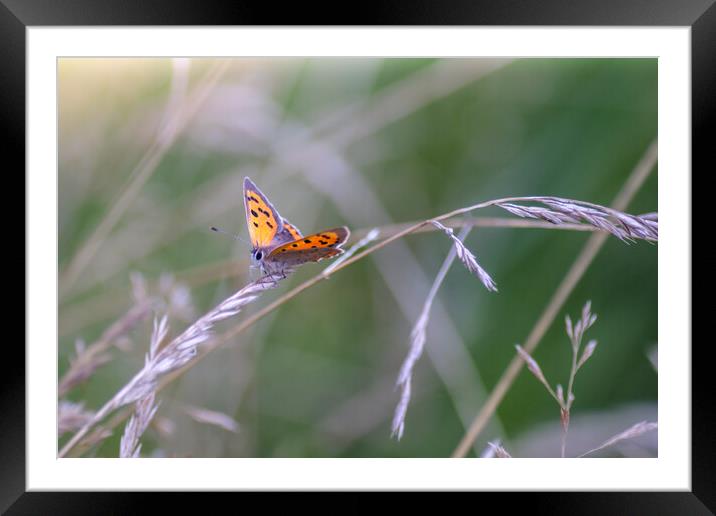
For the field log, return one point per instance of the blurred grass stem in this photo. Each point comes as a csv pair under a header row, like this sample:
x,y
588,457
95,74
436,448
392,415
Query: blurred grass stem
x,y
168,133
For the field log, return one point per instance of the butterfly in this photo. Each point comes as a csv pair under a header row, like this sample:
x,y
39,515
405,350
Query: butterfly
x,y
277,245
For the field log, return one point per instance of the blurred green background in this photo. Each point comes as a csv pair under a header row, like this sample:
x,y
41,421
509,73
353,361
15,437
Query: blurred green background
x,y
366,143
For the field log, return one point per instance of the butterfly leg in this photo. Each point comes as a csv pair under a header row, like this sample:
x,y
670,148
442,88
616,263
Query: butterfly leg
x,y
285,271
271,273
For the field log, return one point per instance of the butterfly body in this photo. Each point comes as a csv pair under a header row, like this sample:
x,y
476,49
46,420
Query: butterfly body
x,y
277,245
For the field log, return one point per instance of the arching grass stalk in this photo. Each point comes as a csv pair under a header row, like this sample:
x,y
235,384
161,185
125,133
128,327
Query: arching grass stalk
x,y
79,315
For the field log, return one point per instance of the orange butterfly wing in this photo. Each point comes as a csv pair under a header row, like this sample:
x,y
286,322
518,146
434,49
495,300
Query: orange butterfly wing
x,y
263,220
311,248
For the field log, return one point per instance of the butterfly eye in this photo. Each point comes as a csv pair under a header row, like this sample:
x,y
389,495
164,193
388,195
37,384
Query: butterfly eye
x,y
258,255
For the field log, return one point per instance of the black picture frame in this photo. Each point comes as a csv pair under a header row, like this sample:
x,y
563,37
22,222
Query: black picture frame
x,y
17,15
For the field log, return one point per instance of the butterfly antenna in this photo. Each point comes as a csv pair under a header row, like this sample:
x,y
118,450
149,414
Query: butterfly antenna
x,y
236,237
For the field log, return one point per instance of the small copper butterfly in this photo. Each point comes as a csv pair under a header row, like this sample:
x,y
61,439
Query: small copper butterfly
x,y
277,245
